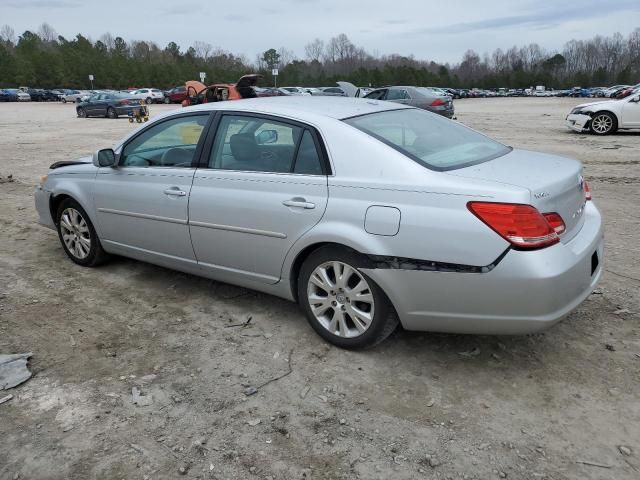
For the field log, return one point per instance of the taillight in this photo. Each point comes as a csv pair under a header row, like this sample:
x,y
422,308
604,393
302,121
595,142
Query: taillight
x,y
556,222
522,226
438,102
587,190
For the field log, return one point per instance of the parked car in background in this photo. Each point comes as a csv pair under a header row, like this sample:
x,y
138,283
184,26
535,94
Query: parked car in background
x,y
198,92
110,105
603,118
296,90
411,214
313,90
421,97
332,92
40,95
17,95
72,96
608,92
270,92
149,95
627,91
176,95
8,95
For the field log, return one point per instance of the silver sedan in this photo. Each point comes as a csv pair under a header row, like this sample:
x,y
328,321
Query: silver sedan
x,y
366,213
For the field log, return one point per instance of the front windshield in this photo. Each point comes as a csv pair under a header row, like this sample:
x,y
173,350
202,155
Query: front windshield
x,y
431,140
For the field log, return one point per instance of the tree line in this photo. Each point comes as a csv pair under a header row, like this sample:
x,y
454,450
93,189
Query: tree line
x,y
45,59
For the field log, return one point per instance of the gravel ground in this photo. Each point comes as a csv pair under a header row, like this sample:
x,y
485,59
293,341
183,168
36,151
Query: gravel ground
x,y
564,404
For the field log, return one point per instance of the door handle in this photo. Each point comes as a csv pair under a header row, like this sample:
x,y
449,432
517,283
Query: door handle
x,y
298,202
175,192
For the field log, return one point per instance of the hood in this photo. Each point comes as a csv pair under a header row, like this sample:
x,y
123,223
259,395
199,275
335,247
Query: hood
x,y
68,163
194,87
591,104
250,80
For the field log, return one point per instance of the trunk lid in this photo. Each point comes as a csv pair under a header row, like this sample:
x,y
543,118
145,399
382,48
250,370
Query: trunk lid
x,y
555,183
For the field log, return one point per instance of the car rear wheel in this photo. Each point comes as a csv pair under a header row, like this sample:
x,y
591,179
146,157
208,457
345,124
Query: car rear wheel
x,y
603,123
111,112
342,304
167,100
82,113
148,101
64,100
77,235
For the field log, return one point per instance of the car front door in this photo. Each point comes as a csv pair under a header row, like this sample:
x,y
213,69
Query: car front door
x,y
262,186
631,112
142,205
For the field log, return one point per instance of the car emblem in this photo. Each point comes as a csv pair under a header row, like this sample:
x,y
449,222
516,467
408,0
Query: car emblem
x,y
540,195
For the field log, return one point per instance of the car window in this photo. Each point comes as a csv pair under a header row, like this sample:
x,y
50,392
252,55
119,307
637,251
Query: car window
x,y
429,139
376,94
396,94
254,144
171,143
308,159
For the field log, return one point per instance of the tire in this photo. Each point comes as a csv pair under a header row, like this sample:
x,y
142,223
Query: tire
x,y
82,113
64,100
364,323
603,123
148,101
73,225
111,113
167,100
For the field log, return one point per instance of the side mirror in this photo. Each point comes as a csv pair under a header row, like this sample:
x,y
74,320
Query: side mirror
x,y
267,136
105,158
636,99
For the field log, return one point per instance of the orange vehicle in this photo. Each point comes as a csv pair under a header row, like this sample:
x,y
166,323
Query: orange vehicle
x,y
198,92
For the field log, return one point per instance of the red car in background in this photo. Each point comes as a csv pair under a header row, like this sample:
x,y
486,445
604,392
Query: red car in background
x,y
176,94
197,92
626,92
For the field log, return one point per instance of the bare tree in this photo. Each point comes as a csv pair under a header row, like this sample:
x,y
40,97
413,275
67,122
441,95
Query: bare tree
x,y
286,56
7,34
47,33
203,49
314,50
108,40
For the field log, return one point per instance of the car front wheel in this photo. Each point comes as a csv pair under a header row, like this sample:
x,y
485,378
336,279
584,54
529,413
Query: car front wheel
x,y
111,112
603,123
341,303
82,113
77,235
148,101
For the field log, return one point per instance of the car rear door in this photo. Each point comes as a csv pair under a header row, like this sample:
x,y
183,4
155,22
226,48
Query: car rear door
x,y
261,186
142,205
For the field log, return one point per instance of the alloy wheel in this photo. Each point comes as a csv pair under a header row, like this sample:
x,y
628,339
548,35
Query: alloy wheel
x,y
75,233
601,123
341,299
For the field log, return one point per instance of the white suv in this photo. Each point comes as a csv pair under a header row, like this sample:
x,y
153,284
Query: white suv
x,y
149,95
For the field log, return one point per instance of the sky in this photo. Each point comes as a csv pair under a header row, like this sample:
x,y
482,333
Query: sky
x,y
429,30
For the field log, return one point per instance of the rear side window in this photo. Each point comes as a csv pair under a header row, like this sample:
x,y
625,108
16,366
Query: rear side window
x,y
308,160
429,139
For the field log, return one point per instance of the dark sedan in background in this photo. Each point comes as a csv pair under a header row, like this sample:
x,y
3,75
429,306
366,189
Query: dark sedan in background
x,y
110,105
421,97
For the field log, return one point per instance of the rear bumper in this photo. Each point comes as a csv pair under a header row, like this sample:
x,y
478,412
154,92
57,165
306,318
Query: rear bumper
x,y
526,292
41,198
578,122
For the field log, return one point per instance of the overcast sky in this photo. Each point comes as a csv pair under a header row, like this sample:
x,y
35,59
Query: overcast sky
x,y
430,30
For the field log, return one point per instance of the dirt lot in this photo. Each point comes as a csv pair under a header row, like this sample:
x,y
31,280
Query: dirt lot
x,y
552,406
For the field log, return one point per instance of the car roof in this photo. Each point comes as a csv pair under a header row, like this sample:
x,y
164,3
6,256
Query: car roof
x,y
304,105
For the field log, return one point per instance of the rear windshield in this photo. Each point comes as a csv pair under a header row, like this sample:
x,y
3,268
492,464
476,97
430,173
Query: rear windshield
x,y
430,139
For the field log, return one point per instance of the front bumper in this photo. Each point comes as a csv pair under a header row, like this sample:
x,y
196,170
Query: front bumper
x,y
42,197
578,122
526,292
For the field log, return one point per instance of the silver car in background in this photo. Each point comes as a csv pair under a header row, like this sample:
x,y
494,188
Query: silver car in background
x,y
368,214
421,97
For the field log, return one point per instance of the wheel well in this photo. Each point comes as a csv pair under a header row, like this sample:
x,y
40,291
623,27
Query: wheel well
x,y
302,256
54,203
615,117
